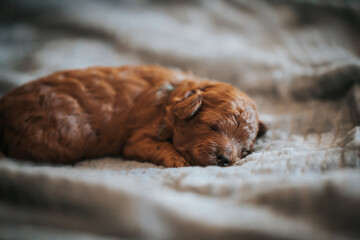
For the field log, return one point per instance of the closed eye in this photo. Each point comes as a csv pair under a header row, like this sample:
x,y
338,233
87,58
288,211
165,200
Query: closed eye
x,y
213,127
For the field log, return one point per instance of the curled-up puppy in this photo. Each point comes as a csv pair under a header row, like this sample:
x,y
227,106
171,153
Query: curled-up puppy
x,y
146,113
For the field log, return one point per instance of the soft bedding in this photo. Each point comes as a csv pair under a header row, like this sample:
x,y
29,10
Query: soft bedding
x,y
299,61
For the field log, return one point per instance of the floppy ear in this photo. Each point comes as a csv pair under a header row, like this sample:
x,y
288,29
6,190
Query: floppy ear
x,y
262,129
187,107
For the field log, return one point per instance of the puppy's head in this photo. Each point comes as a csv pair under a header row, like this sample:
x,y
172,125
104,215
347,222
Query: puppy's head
x,y
212,123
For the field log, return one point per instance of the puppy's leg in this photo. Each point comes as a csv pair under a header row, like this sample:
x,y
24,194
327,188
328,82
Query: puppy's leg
x,y
154,151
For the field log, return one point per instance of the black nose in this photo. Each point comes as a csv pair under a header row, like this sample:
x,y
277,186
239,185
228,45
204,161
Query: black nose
x,y
223,161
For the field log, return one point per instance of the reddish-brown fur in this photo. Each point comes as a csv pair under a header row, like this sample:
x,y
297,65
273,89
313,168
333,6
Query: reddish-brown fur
x,y
146,113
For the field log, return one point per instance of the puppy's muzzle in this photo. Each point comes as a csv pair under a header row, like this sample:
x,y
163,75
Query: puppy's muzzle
x,y
223,161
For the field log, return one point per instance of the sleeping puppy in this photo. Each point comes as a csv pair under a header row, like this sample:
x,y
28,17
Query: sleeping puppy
x,y
146,113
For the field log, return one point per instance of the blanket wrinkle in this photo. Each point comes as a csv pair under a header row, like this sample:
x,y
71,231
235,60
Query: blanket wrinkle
x,y
298,60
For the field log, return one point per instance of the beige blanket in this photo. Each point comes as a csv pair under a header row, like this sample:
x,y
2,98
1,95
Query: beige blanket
x,y
299,60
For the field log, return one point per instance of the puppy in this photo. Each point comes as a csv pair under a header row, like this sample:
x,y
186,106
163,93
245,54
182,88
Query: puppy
x,y
146,113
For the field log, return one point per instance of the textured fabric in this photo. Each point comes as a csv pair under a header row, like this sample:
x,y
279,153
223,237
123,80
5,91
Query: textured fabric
x,y
298,60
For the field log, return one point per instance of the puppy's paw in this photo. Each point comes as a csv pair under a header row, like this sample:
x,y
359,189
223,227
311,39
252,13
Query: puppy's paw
x,y
176,161
183,163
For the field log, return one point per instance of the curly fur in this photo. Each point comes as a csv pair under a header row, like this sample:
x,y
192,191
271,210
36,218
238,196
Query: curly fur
x,y
146,113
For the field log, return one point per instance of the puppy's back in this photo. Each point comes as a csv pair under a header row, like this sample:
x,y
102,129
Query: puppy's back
x,y
72,115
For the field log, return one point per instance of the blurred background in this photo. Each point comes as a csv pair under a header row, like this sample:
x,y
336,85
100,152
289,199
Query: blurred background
x,y
298,59
270,47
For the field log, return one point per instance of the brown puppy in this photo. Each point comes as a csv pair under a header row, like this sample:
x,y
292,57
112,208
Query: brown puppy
x,y
146,113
